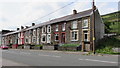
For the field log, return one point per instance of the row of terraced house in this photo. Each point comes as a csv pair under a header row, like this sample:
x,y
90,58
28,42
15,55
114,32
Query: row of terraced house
x,y
71,29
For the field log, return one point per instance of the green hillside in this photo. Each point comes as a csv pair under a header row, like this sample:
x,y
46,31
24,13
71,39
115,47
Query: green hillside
x,y
112,22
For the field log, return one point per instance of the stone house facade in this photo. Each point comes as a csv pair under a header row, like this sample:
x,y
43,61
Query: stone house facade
x,y
71,29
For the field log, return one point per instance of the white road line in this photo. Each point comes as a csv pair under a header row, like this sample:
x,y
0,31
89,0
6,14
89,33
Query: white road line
x,y
43,55
56,56
81,59
99,61
24,53
50,55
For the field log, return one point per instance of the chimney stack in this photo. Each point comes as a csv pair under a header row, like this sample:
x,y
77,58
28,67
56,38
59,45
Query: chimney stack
x,y
22,27
18,29
33,24
26,26
74,11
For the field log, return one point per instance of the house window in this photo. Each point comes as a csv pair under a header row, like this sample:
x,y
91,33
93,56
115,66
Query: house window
x,y
34,32
48,29
74,35
34,39
48,38
26,40
56,37
38,30
56,28
43,29
38,40
74,25
86,36
43,39
85,23
63,26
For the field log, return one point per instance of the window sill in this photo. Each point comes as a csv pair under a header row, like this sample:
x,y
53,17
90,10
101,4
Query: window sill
x,y
74,40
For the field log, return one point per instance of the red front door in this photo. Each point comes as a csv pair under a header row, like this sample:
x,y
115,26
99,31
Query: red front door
x,y
63,38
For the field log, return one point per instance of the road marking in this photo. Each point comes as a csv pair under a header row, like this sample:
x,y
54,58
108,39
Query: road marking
x,y
98,60
56,56
50,55
43,55
24,53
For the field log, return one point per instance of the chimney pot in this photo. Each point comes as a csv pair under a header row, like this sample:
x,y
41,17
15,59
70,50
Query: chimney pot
x,y
33,24
22,27
74,11
17,28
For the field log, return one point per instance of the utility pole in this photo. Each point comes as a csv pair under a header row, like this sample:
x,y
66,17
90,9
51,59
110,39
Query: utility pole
x,y
93,26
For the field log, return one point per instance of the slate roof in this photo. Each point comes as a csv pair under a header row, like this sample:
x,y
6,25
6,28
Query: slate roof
x,y
65,18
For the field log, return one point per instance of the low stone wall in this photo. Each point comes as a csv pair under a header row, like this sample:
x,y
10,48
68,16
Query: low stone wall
x,y
60,48
20,47
26,47
37,48
48,47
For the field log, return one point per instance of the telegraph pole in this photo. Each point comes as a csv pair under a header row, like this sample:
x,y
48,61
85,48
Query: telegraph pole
x,y
93,25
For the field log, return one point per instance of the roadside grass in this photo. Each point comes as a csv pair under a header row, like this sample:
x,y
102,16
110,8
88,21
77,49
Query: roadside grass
x,y
105,45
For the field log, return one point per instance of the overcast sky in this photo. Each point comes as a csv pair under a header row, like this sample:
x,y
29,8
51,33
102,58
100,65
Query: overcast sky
x,y
16,13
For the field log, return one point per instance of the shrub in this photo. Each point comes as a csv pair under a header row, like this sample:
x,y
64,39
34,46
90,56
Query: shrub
x,y
70,45
38,45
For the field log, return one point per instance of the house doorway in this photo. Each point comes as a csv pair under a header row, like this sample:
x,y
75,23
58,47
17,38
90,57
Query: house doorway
x,y
86,42
63,38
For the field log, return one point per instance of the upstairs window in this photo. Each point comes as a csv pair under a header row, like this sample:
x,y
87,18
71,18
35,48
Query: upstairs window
x,y
85,23
43,29
48,29
56,28
63,26
38,31
74,25
34,32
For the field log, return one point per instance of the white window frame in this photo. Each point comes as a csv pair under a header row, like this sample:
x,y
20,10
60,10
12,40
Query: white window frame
x,y
85,23
74,36
87,37
38,31
43,28
34,39
76,25
55,37
49,28
42,38
38,40
63,26
34,32
56,27
48,38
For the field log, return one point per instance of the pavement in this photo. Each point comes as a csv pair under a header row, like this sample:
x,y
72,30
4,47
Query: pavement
x,y
17,57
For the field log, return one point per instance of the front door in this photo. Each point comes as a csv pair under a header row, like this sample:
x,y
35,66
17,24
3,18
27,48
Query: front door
x,y
63,38
86,42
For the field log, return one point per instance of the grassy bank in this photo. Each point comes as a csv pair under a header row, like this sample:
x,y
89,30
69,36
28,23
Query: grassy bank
x,y
105,45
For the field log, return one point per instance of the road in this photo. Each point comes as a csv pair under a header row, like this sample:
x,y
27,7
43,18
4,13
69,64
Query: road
x,y
54,58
